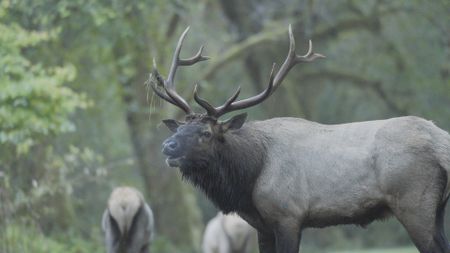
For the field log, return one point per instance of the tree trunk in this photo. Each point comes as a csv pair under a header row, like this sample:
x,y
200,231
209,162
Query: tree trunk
x,y
177,216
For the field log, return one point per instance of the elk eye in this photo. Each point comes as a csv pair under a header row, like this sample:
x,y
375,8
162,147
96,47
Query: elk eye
x,y
206,134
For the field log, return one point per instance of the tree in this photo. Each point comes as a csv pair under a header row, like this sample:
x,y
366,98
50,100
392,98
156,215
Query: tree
x,y
35,105
121,37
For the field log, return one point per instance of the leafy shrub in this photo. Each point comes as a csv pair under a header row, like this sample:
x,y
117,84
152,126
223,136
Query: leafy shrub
x,y
28,239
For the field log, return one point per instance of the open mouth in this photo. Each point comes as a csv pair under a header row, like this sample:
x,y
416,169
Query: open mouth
x,y
174,161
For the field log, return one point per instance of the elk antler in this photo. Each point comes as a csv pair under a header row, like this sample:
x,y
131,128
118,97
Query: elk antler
x,y
274,81
171,94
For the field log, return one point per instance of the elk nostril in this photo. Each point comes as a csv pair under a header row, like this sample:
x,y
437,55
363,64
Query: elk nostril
x,y
172,145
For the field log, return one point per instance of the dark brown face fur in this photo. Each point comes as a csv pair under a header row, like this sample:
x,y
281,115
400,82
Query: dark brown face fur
x,y
197,138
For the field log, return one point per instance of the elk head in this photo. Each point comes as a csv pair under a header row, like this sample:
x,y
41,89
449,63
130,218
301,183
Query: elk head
x,y
201,133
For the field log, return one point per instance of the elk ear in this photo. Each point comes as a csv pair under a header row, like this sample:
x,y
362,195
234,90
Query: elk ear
x,y
172,124
234,123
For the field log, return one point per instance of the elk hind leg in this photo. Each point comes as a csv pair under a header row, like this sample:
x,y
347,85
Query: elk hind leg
x,y
441,237
423,221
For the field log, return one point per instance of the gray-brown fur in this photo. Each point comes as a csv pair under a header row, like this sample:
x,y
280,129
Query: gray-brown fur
x,y
127,222
314,175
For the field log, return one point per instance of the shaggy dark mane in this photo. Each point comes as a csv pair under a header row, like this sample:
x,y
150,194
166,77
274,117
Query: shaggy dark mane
x,y
227,176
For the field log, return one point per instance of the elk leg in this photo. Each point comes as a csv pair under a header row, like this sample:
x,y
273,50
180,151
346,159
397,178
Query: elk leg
x,y
425,237
424,225
440,236
287,238
266,242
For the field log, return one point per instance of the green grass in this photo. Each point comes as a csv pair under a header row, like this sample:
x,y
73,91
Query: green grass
x,y
396,250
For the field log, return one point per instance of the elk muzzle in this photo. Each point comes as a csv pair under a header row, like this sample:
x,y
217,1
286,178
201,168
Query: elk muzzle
x,y
172,149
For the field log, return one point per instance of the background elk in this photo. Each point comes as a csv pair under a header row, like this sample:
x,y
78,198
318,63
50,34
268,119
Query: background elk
x,y
228,234
127,222
283,175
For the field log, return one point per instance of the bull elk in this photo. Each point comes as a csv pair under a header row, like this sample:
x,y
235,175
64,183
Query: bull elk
x,y
283,175
127,222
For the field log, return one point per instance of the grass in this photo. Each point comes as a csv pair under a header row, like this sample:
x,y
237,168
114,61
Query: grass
x,y
396,250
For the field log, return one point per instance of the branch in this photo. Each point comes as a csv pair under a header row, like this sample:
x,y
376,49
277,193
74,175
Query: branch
x,y
275,33
237,49
358,82
369,23
173,23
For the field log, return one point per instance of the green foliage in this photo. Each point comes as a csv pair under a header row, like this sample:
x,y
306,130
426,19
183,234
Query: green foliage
x,y
162,244
53,190
33,100
395,250
52,203
27,239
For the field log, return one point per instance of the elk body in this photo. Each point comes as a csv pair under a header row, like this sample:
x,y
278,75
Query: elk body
x,y
127,222
283,175
228,234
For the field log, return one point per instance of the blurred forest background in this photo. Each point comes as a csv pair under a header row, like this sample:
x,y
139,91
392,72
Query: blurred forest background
x,y
77,120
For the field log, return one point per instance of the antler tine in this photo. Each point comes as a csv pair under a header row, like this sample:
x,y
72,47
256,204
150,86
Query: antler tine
x,y
194,59
203,103
176,58
211,111
162,95
178,99
230,104
241,104
292,59
176,61
231,99
170,96
159,83
168,85
310,56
